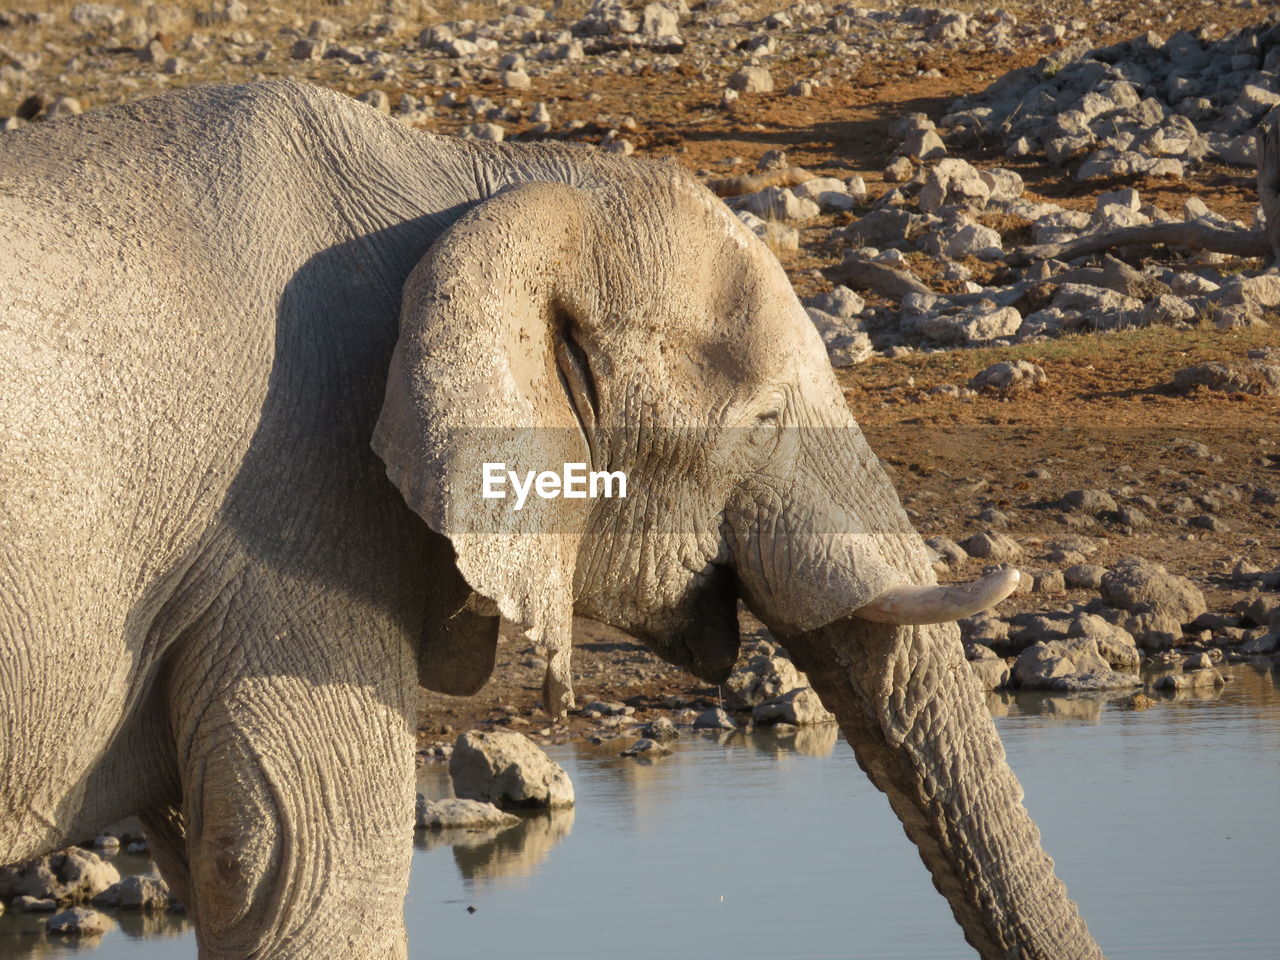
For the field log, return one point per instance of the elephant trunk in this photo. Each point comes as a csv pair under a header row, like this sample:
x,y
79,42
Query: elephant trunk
x,y
919,727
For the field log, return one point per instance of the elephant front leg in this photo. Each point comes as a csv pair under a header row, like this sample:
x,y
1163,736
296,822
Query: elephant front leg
x,y
298,804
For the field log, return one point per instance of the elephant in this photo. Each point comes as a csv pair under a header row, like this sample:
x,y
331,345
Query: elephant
x,y
259,341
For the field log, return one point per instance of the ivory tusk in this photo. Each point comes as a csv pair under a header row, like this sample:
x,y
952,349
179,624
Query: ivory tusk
x,y
911,604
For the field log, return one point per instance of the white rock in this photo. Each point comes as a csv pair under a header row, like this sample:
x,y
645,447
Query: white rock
x,y
952,26
762,677
779,203
827,192
839,302
899,170
992,545
1207,678
993,674
1128,198
987,322
135,893
954,181
714,719
1256,99
1166,310
660,20
973,240
752,80
645,747
1068,664
483,131
923,145
1004,185
797,707
97,16
1090,299
460,814
516,80
978,323
850,349
457,47
810,189
73,874
1015,375
507,769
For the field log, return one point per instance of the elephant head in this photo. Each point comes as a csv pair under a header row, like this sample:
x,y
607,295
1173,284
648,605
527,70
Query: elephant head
x,y
634,325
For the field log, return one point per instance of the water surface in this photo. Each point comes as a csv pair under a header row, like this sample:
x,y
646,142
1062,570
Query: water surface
x,y
1163,823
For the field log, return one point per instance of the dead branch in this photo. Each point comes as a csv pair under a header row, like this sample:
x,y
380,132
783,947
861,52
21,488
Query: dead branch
x,y
1269,184
750,183
1192,234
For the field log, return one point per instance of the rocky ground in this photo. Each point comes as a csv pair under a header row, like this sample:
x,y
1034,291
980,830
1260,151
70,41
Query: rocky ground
x,y
933,180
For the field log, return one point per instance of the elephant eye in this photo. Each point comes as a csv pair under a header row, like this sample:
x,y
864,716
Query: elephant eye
x,y
765,429
575,371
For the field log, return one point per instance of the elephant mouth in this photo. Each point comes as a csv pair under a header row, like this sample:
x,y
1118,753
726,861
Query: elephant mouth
x,y
701,635
705,639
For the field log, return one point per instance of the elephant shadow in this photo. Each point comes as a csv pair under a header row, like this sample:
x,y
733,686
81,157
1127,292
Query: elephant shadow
x,y
309,473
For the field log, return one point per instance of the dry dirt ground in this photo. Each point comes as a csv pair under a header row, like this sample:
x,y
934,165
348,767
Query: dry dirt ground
x,y
1106,407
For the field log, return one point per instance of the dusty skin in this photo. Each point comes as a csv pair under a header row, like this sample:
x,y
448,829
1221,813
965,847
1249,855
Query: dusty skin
x,y
269,634
1107,404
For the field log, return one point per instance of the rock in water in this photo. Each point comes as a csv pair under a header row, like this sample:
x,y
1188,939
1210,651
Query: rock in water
x,y
507,769
992,673
1072,664
662,730
714,719
796,707
644,747
460,814
1207,678
762,677
70,876
135,893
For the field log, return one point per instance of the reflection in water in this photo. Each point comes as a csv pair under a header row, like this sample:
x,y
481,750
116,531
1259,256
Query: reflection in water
x,y
152,923
775,845
501,853
1074,707
810,740
1191,693
23,934
1258,683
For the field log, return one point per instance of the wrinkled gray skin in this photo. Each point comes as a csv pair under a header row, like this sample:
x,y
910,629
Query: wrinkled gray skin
x,y
215,607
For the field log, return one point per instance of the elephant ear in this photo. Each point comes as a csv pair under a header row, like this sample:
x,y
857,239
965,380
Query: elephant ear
x,y
489,369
